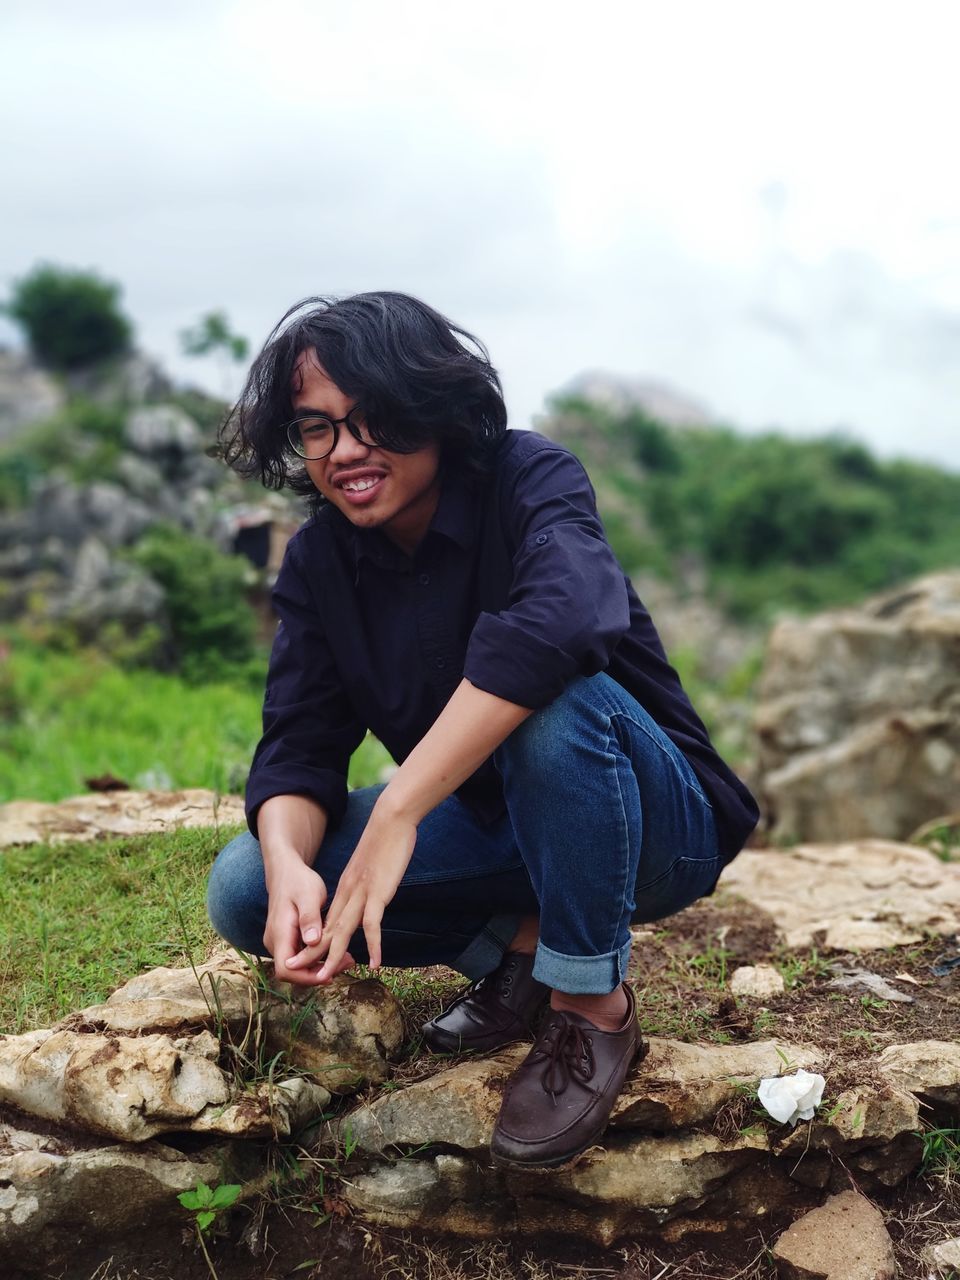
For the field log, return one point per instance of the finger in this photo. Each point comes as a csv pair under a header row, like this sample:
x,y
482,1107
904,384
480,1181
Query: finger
x,y
306,956
339,939
311,924
371,931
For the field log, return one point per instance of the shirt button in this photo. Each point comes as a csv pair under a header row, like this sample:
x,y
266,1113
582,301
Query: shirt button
x,y
541,540
424,579
440,663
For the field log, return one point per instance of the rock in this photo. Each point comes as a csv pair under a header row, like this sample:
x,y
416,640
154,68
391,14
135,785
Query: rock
x,y
677,1086
862,895
27,393
115,813
133,1087
344,1034
943,1259
758,981
930,1069
162,429
609,1194
680,1085
859,716
58,1194
872,1127
845,1239
148,1062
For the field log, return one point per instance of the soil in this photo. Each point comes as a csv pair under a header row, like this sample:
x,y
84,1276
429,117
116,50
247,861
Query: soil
x,y
681,968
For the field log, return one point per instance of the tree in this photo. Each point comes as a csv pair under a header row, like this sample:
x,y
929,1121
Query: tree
x,y
212,335
71,318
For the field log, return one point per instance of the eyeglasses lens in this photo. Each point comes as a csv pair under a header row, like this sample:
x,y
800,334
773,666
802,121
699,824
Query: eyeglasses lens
x,y
316,437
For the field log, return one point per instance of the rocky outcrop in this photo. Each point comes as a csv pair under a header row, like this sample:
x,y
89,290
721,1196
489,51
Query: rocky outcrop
x,y
857,896
859,716
106,815
669,1154
174,1052
148,1062
59,1192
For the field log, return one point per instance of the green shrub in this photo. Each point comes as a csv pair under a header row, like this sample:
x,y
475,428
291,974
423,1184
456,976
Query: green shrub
x,y
211,620
71,318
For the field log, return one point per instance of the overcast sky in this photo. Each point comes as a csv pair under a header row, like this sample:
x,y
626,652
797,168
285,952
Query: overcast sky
x,y
756,203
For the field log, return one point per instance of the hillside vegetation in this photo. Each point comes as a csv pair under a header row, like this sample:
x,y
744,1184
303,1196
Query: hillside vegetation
x,y
768,522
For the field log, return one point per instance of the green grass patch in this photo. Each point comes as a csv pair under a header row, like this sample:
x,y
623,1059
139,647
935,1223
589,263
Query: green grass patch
x,y
84,917
66,717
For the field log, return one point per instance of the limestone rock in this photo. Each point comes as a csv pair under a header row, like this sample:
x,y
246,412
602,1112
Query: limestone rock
x,y
929,1068
858,896
760,982
872,1126
57,1193
610,1193
133,1087
343,1034
845,1239
943,1259
162,428
677,1085
859,716
115,813
151,1059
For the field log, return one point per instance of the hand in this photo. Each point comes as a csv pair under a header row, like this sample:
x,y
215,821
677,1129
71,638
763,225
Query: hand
x,y
294,922
367,886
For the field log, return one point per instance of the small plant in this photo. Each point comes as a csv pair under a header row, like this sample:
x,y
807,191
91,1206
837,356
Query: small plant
x,y
941,1151
205,1203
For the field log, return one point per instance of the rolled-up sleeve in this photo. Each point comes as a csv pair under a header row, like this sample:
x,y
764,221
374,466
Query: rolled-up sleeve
x,y
568,604
310,729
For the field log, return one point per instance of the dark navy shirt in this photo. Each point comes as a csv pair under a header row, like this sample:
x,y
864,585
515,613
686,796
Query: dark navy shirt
x,y
514,586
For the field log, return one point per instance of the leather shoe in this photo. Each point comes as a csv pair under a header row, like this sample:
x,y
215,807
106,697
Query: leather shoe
x,y
558,1101
492,1012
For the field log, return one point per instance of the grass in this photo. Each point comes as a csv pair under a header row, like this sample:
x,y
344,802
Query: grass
x,y
66,717
84,917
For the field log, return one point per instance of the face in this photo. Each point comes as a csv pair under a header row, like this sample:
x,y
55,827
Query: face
x,y
374,488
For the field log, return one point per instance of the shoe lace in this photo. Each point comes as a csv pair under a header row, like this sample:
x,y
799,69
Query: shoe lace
x,y
567,1051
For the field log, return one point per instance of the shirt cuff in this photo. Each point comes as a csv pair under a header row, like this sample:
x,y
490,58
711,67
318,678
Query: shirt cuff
x,y
510,663
328,788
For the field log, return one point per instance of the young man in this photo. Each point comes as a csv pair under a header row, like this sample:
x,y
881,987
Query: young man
x,y
454,593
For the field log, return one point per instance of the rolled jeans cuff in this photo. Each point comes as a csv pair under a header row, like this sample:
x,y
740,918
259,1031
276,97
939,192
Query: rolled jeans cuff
x,y
581,975
486,950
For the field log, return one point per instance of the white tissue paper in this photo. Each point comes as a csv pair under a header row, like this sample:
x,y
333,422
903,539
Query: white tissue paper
x,y
792,1098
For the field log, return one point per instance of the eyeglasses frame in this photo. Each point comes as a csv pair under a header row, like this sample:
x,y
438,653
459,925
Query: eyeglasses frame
x,y
336,424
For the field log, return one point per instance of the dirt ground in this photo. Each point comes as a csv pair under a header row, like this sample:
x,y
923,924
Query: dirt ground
x,y
681,968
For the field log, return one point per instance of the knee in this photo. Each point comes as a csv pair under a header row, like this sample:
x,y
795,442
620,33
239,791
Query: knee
x,y
237,895
545,741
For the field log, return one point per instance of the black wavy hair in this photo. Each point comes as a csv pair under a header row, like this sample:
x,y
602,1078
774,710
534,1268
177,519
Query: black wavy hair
x,y
419,379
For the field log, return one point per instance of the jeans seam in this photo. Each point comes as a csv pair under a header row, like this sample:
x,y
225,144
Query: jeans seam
x,y
695,787
625,846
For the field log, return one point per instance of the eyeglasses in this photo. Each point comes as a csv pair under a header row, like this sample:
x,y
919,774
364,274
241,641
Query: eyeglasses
x,y
315,436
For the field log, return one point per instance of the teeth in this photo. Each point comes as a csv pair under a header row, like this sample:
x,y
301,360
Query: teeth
x,y
358,486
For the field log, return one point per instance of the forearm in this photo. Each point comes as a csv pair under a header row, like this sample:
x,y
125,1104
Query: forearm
x,y
468,730
290,827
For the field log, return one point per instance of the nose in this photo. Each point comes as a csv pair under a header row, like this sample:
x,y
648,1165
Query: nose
x,y
348,448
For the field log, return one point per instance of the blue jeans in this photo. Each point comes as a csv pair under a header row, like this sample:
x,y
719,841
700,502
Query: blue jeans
x,y
606,824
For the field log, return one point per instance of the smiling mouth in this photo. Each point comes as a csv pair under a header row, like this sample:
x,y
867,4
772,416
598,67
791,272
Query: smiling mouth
x,y
360,489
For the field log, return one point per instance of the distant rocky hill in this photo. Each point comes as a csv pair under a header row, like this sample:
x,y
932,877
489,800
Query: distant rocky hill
x,y
88,465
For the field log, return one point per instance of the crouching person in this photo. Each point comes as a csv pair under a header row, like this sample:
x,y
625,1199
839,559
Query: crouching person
x,y
455,594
